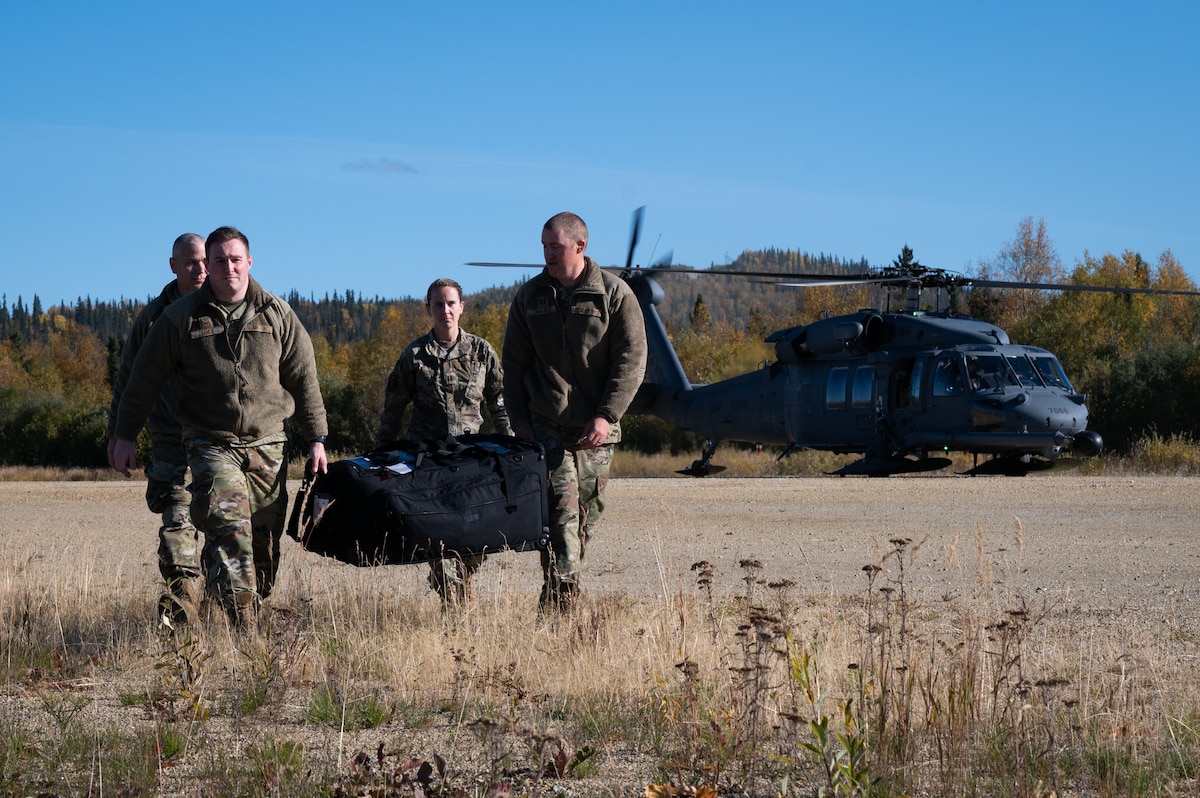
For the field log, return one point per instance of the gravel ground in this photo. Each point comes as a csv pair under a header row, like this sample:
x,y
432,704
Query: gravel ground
x,y
1106,541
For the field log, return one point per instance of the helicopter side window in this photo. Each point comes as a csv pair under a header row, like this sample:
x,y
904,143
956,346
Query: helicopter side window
x,y
989,373
1051,371
1025,371
914,388
947,378
835,388
864,386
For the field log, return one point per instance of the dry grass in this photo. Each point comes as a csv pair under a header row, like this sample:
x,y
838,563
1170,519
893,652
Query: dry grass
x,y
1175,455
768,688
49,474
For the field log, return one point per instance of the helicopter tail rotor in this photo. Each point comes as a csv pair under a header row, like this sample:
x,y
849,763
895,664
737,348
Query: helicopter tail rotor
x,y
634,234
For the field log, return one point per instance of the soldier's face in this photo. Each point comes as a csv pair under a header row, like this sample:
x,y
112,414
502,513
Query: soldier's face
x,y
190,266
445,309
229,270
563,256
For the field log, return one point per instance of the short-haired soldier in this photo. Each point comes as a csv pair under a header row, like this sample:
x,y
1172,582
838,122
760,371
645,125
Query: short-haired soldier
x,y
244,364
166,473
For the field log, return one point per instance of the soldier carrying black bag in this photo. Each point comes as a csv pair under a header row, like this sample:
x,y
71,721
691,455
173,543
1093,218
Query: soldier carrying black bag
x,y
450,377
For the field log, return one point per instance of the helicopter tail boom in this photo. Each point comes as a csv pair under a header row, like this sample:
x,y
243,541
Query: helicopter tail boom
x,y
666,385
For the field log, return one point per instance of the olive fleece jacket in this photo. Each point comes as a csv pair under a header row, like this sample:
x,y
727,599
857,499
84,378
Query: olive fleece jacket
x,y
238,381
162,422
572,362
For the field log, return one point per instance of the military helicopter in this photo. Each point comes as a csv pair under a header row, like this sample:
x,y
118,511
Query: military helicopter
x,y
902,388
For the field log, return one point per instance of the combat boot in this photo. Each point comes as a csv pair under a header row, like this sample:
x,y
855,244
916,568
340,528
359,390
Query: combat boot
x,y
190,592
243,611
467,592
558,595
180,605
453,584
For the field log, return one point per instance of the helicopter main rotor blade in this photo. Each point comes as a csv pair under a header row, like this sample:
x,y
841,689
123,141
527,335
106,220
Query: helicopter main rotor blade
x,y
538,266
1103,289
660,268
657,268
926,278
664,261
820,281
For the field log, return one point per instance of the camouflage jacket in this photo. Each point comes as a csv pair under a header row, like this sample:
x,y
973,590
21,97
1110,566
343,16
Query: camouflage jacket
x,y
569,357
162,422
238,381
448,389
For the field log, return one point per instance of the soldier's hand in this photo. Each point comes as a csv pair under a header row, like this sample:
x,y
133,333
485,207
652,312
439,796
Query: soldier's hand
x,y
318,458
123,456
595,433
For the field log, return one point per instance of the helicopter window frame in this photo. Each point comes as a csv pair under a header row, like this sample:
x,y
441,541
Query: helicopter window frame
x,y
1027,372
862,394
835,388
1051,371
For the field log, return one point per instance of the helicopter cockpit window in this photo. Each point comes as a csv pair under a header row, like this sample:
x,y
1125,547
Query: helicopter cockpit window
x,y
1025,371
947,378
1050,370
989,373
835,388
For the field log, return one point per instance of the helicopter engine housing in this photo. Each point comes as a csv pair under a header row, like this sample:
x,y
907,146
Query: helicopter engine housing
x,y
829,337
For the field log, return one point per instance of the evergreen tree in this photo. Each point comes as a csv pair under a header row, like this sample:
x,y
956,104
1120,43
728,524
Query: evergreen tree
x,y
113,365
700,320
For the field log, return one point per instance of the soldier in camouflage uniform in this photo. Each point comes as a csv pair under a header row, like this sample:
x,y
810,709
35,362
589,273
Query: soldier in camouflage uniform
x,y
244,364
449,377
166,475
574,356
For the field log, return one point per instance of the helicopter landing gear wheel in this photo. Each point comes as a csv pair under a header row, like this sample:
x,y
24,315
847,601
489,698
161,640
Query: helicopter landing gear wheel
x,y
703,467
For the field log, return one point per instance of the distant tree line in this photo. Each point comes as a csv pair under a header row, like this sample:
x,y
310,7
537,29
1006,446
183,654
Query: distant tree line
x,y
1135,356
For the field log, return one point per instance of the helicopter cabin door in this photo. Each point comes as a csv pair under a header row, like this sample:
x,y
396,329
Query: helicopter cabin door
x,y
907,395
928,394
849,408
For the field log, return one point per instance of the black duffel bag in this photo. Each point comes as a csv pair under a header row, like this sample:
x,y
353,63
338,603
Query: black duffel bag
x,y
415,501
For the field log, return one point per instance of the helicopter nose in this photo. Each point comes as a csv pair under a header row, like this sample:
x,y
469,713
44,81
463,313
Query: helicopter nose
x,y
1087,443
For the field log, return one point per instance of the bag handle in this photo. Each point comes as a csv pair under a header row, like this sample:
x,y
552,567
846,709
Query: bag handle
x,y
300,509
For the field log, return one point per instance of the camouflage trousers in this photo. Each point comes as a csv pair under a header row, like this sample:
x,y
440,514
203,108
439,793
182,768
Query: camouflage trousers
x,y
239,501
167,494
451,576
577,480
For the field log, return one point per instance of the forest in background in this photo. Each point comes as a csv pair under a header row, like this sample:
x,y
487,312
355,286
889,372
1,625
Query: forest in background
x,y
1135,356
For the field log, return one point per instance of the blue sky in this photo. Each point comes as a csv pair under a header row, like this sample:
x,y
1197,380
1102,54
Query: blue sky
x,y
375,146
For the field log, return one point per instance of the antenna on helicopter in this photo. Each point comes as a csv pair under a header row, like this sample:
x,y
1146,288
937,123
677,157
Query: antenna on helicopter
x,y
654,249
